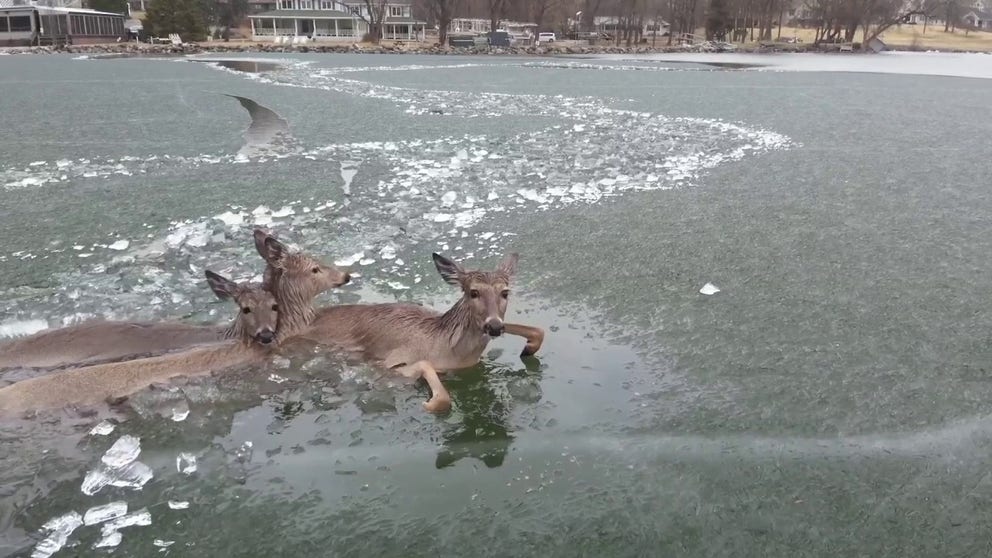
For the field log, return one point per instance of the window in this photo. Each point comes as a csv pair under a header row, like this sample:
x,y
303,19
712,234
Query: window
x,y
326,4
285,4
20,23
3,25
396,11
306,4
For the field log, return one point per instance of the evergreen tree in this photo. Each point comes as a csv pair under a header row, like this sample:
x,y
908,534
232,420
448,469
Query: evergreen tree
x,y
184,17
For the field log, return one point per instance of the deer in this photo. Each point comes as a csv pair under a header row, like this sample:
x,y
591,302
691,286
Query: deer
x,y
418,342
294,278
250,338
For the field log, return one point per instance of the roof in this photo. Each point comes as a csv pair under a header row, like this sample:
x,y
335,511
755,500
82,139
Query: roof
x,y
312,14
982,14
46,9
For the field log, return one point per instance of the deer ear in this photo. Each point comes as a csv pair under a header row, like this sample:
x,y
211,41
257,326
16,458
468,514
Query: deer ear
x,y
450,271
260,235
223,287
272,250
509,264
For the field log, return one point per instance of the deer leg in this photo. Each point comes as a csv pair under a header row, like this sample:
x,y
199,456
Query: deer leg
x,y
534,336
440,401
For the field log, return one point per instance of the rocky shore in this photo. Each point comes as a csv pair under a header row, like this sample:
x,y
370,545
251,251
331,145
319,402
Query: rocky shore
x,y
133,49
142,49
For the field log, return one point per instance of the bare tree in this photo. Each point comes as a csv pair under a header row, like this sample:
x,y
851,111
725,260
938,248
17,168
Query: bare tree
x,y
497,9
952,11
374,15
877,16
540,10
590,9
442,12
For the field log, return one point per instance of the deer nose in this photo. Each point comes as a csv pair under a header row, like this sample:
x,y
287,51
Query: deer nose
x,y
346,279
493,327
266,336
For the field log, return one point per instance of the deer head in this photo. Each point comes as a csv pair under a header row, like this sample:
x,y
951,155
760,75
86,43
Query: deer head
x,y
258,315
295,274
484,293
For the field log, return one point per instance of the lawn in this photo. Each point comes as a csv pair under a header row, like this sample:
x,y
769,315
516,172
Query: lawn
x,y
912,36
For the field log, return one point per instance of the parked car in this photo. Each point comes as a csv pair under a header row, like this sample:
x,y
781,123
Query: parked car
x,y
545,37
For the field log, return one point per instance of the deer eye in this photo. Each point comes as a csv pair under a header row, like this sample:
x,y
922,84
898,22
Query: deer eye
x,y
315,270
473,293
505,294
246,310
275,307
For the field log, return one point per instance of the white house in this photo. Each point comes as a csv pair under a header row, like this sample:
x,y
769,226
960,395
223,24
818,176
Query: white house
x,y
330,20
979,19
614,26
480,25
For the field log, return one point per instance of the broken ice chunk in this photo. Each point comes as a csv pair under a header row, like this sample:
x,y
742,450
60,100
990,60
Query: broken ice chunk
x,y
350,260
61,527
104,428
709,289
186,463
124,451
106,512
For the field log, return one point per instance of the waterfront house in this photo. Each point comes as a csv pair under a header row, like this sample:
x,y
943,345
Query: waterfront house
x,y
25,25
322,20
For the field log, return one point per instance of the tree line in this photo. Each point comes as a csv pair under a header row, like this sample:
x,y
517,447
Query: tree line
x,y
725,20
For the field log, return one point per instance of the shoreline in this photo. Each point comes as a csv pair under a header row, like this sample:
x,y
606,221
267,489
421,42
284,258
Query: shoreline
x,y
133,49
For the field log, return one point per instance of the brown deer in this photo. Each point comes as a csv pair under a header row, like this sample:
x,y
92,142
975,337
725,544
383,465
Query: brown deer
x,y
251,335
294,278
419,342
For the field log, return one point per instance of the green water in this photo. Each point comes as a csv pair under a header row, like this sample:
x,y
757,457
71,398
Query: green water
x,y
831,400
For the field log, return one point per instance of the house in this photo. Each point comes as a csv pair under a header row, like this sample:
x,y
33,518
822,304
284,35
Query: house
x,y
978,19
615,26
934,19
330,20
476,26
44,25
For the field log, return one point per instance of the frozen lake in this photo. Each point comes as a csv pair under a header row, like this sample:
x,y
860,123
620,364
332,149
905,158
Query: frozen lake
x,y
831,399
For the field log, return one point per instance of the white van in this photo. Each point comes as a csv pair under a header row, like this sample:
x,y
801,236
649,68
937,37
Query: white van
x,y
545,37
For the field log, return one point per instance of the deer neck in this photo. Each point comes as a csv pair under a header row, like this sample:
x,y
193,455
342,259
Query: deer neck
x,y
295,309
460,328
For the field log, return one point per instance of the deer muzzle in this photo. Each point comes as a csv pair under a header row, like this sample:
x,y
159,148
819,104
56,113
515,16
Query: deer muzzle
x,y
493,327
265,336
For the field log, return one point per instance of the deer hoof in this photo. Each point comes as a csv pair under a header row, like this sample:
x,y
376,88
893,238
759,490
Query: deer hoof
x,y
530,349
438,404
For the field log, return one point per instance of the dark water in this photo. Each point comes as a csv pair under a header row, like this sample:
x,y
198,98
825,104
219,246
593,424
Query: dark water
x,y
831,399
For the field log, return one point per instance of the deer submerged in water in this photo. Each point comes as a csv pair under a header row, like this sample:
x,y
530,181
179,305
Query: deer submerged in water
x,y
294,278
251,336
419,342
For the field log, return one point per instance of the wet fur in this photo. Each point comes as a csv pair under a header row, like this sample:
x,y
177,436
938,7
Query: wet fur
x,y
257,316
